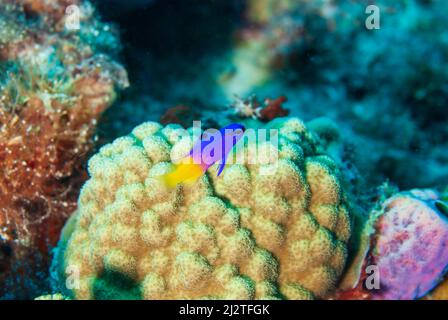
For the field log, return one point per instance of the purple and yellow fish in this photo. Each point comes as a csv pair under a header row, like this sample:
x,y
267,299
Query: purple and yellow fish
x,y
213,147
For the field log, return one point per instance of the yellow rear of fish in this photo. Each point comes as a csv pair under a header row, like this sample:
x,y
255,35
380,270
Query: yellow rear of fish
x,y
184,172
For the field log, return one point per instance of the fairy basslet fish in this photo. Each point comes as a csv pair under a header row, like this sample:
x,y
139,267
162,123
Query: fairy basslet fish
x,y
213,147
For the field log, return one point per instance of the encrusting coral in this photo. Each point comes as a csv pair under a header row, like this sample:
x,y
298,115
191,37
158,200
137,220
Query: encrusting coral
x,y
266,228
55,85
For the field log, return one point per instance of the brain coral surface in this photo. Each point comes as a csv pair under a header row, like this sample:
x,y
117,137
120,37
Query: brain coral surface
x,y
265,229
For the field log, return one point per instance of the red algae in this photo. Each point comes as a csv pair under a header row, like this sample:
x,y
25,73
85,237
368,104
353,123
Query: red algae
x,y
274,109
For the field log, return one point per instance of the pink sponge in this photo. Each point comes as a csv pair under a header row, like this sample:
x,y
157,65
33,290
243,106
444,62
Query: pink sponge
x,y
411,245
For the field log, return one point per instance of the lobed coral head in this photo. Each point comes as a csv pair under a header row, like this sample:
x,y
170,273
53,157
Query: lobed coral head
x,y
242,235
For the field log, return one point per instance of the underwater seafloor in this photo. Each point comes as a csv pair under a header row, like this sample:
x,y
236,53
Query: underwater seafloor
x,y
94,95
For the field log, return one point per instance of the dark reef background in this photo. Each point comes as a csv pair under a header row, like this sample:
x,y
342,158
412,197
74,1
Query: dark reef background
x,y
386,89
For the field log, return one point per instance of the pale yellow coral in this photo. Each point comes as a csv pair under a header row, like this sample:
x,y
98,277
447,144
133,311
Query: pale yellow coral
x,y
243,235
56,296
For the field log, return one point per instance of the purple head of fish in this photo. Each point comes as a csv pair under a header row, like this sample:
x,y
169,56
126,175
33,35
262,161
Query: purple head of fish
x,y
215,145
